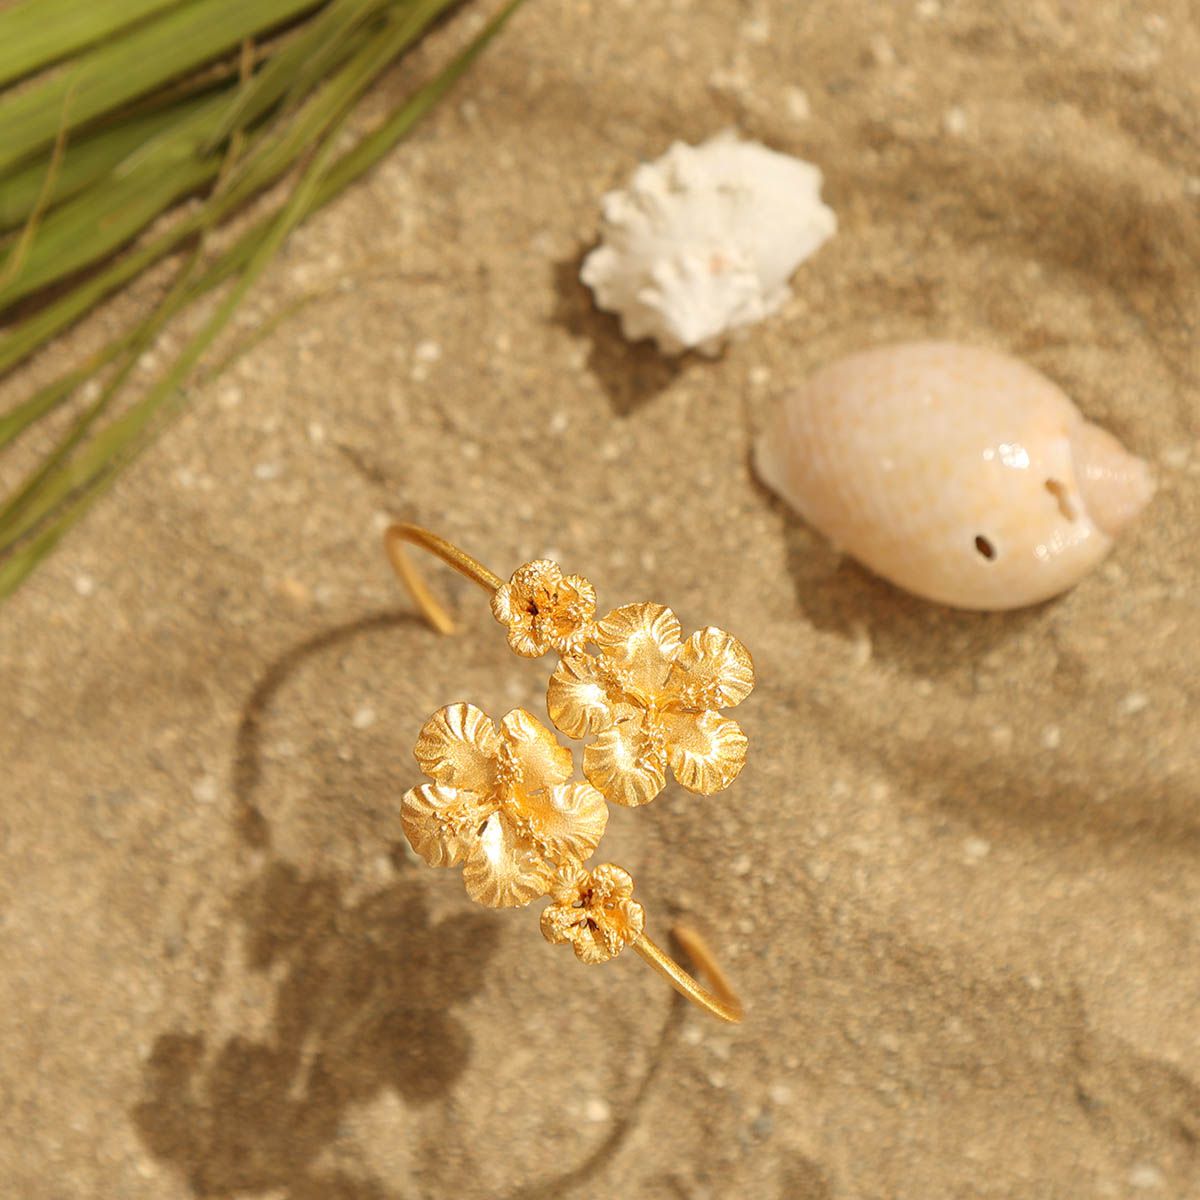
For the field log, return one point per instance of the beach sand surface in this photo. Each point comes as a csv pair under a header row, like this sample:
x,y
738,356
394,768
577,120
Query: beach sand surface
x,y
958,882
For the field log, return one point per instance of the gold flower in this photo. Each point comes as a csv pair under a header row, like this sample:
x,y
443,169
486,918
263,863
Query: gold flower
x,y
653,699
594,911
545,610
500,804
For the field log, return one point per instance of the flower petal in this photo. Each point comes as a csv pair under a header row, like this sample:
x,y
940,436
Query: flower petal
x,y
519,603
594,943
458,747
713,670
643,639
560,922
622,925
569,883
577,699
626,764
611,884
540,761
503,867
594,911
441,823
706,750
568,821
571,619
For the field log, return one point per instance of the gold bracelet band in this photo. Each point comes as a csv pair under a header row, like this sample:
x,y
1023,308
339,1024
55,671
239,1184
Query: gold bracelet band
x,y
504,803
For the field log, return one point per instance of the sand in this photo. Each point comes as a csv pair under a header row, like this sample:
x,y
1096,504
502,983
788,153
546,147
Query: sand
x,y
958,880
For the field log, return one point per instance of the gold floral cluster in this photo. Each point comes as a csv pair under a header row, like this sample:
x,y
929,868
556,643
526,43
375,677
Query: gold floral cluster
x,y
503,803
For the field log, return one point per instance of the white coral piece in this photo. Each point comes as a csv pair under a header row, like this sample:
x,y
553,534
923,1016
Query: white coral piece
x,y
704,241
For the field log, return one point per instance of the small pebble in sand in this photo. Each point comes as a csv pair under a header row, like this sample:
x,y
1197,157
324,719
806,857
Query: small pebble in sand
x,y
364,717
597,1110
1146,1177
756,31
780,1093
1051,737
1135,702
796,103
427,351
954,121
976,849
882,51
862,648
85,585
267,471
558,423
316,433
741,865
293,590
204,790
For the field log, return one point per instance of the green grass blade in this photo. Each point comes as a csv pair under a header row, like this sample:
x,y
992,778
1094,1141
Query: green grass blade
x,y
105,217
303,62
76,487
35,33
120,70
85,162
362,157
65,237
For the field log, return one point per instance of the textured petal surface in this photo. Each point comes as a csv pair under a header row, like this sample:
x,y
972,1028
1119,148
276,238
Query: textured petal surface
x,y
595,912
560,922
611,883
525,640
568,820
712,670
642,639
539,760
458,747
577,699
706,750
503,867
542,609
441,823
627,765
570,620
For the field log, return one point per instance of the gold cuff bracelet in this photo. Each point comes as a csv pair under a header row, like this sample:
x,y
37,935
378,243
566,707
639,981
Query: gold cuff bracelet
x,y
503,803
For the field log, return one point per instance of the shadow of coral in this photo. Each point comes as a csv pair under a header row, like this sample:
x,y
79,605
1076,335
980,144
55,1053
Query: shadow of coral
x,y
631,373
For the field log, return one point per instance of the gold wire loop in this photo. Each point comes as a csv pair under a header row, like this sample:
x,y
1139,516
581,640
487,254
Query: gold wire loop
x,y
722,1001
431,607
